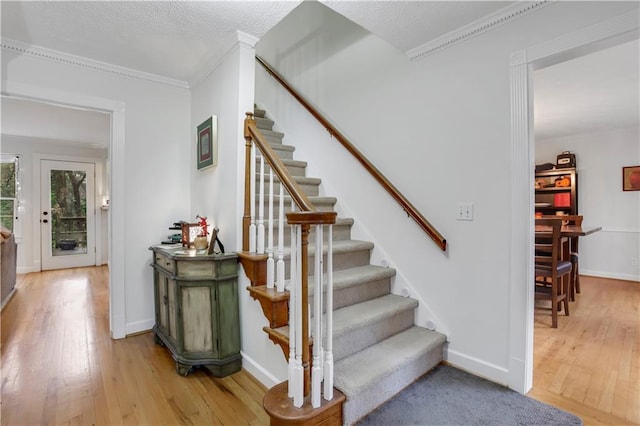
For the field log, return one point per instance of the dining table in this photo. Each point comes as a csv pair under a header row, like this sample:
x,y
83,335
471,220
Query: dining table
x,y
568,231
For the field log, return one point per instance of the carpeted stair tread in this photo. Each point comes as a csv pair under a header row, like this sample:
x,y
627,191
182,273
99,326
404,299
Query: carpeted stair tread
x,y
370,365
264,123
316,200
301,180
272,133
339,247
355,276
371,311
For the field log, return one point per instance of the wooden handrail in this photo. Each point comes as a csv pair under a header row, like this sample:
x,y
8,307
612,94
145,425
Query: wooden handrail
x,y
388,186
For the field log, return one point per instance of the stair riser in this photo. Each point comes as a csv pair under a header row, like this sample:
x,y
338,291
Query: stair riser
x,y
340,233
310,189
356,294
358,339
283,153
273,139
323,207
264,123
340,261
293,170
377,393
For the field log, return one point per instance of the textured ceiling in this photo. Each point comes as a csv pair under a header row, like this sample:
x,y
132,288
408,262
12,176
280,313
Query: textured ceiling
x,y
168,38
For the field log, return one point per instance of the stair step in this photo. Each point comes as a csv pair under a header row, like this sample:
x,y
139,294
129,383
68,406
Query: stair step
x,y
370,377
264,123
310,186
356,285
341,231
295,167
323,204
274,138
283,151
359,326
257,112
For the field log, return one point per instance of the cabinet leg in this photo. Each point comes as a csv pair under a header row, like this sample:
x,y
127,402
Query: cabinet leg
x,y
182,369
157,340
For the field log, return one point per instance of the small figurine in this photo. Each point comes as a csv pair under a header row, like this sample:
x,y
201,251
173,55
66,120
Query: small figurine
x,y
204,228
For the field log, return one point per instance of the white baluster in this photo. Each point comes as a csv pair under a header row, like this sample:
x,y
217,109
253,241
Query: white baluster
x,y
293,380
270,262
328,352
280,263
252,225
261,208
316,371
298,397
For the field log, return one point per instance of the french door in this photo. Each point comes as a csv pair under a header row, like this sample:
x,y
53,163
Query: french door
x,y
67,214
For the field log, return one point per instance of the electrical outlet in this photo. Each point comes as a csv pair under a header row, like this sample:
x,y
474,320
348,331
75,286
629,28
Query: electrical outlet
x,y
465,211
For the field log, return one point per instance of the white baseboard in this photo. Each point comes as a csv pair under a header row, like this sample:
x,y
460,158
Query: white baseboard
x,y
256,370
21,270
477,367
613,275
139,326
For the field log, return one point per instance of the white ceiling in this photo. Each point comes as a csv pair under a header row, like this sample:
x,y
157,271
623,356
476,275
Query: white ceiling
x,y
589,94
180,39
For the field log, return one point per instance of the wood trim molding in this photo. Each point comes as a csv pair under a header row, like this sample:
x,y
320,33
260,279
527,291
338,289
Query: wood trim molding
x,y
522,63
90,64
473,29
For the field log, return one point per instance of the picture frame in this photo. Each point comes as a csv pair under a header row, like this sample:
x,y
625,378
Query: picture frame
x,y
207,143
631,178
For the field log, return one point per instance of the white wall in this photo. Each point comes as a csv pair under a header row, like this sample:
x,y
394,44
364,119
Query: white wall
x,y
156,167
439,129
599,158
218,192
29,243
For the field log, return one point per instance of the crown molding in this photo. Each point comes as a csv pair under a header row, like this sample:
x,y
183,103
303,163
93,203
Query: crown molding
x,y
80,61
475,28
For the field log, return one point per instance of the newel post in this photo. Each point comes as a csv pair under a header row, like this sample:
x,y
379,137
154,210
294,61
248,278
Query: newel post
x,y
246,218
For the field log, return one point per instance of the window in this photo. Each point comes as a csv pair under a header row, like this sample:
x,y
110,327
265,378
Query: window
x,y
9,189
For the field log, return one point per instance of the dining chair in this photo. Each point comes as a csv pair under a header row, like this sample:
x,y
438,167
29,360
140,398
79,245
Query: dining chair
x,y
551,272
575,257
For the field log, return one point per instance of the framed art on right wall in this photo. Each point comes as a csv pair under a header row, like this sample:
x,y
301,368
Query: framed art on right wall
x,y
631,178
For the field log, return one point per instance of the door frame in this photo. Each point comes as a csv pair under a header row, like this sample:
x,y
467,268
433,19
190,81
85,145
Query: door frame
x,y
117,295
37,201
609,33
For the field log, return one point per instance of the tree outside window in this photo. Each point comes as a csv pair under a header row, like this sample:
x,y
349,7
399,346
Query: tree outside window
x,y
8,191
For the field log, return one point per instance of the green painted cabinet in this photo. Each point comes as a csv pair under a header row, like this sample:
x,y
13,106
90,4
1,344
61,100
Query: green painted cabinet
x,y
196,303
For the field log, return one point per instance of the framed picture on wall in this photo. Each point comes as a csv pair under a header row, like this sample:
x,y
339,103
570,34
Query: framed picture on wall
x,y
631,178
207,143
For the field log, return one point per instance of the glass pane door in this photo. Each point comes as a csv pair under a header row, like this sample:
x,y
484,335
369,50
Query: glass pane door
x,y
67,215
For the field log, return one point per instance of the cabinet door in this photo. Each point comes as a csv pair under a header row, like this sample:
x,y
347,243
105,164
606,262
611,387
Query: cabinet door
x,y
197,319
229,318
172,310
162,315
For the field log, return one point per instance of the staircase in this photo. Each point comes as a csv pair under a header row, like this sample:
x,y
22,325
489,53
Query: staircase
x,y
377,348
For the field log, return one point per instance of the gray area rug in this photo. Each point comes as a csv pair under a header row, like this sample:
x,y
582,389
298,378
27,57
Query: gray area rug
x,y
448,396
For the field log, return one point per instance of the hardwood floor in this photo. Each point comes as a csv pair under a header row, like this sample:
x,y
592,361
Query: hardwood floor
x,y
590,364
59,365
